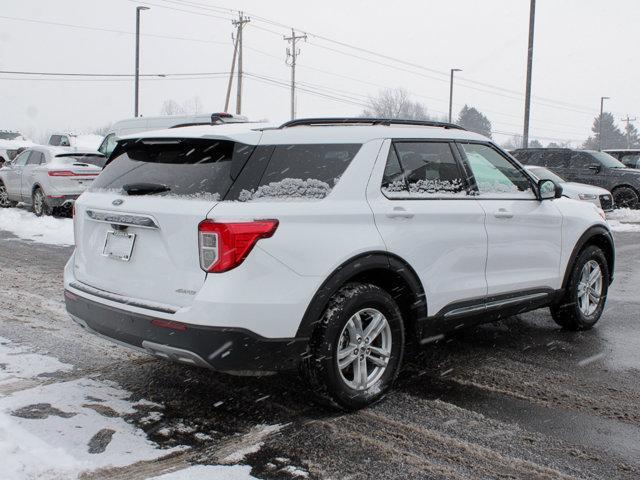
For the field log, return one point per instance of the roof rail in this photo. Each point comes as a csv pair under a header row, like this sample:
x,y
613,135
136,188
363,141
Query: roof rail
x,y
368,121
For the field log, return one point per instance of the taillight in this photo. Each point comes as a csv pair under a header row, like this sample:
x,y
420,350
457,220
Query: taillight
x,y
224,246
61,173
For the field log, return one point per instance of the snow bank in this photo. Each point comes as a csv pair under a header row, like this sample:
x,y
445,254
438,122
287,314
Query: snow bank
x,y
26,225
624,220
209,472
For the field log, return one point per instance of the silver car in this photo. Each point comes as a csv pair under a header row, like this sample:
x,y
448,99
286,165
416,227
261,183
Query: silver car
x,y
48,178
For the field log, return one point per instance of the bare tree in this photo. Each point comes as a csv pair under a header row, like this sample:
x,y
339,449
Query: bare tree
x,y
395,103
192,106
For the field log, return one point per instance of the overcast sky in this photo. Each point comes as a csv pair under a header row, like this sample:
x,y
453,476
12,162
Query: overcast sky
x,y
584,49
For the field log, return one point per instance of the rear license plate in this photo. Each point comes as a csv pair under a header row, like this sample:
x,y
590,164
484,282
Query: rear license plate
x,y
119,245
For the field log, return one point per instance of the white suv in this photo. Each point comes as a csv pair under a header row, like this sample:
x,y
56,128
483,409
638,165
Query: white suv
x,y
324,245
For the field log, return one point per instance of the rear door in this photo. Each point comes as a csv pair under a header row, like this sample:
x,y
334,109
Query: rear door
x,y
524,233
144,245
419,197
35,161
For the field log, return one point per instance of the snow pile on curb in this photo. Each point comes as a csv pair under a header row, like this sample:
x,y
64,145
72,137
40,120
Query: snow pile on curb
x,y
26,225
209,472
624,220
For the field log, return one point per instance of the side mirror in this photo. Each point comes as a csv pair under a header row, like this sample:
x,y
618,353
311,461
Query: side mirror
x,y
549,189
595,168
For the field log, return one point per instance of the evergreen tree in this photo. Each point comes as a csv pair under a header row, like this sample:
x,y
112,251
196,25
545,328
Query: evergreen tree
x,y
535,144
631,136
471,119
612,137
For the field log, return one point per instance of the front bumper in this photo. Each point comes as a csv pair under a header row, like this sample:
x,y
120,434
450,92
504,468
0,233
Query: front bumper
x,y
220,348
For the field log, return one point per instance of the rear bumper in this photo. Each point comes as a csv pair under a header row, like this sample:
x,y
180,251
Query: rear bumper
x,y
220,348
61,200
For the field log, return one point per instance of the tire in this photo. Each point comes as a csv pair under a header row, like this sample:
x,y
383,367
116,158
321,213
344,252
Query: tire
x,y
625,197
39,203
335,332
4,199
573,312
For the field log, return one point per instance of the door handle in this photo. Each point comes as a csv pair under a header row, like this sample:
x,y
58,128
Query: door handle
x,y
503,213
399,212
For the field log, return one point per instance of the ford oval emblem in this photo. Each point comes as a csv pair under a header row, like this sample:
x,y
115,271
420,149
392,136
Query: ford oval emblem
x,y
117,202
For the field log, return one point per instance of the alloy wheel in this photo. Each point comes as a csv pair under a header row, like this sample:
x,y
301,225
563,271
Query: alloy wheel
x,y
38,202
4,197
364,349
590,288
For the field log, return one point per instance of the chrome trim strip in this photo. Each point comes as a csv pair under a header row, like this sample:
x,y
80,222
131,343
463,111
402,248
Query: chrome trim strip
x,y
458,312
120,218
114,297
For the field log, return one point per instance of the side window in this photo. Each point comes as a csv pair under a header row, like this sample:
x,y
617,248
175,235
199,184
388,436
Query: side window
x,y
54,140
36,158
495,175
631,160
21,159
582,160
422,170
64,141
305,171
108,144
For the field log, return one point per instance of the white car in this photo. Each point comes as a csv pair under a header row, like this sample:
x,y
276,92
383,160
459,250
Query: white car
x,y
47,178
324,245
600,197
76,142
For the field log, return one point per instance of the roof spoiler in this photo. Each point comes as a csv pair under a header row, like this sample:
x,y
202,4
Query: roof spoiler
x,y
218,118
367,121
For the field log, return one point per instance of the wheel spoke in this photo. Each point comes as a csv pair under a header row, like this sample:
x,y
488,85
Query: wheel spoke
x,y
374,328
594,275
345,361
360,373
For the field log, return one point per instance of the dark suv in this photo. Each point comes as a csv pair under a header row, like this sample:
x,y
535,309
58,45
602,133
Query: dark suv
x,y
590,167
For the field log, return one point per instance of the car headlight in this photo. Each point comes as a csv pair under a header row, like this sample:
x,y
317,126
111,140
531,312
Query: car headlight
x,y
587,196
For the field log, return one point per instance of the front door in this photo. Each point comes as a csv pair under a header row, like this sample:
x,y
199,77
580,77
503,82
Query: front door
x,y
525,234
425,215
14,175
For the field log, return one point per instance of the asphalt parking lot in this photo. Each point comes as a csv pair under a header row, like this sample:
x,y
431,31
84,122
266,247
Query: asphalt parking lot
x,y
516,399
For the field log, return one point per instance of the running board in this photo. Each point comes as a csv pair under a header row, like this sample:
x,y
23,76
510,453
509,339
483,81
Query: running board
x,y
494,305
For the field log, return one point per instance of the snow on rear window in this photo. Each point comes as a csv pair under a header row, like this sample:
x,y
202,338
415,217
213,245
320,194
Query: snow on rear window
x,y
288,188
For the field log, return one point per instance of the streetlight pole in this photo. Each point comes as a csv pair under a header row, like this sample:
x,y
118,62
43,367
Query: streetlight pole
x,y
527,97
602,99
453,70
137,79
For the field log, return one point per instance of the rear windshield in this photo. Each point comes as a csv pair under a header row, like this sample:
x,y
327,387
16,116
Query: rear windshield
x,y
197,168
90,159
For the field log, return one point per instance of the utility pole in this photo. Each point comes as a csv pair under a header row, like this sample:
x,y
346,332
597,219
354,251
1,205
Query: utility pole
x,y
233,66
453,70
137,79
602,99
527,99
292,54
628,132
242,20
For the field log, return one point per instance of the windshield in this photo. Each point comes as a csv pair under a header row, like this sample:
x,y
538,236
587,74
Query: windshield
x,y
9,135
607,160
543,174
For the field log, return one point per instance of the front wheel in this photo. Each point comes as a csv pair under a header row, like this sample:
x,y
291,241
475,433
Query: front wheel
x,y
39,202
625,197
586,293
356,349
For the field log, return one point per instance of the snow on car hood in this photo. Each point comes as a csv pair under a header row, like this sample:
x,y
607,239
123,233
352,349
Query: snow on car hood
x,y
584,188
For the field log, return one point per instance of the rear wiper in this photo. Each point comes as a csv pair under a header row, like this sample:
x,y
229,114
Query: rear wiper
x,y
145,188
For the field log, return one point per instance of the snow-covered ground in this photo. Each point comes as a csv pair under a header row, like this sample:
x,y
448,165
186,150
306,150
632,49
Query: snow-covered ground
x,y
25,224
59,428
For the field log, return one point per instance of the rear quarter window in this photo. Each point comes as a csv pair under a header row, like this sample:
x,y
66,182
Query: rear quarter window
x,y
299,172
191,168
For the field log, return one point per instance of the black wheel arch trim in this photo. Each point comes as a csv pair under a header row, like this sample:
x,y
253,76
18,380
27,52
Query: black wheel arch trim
x,y
359,266
592,233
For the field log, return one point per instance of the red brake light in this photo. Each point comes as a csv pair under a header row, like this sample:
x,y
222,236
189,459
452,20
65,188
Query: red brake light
x,y
61,173
224,246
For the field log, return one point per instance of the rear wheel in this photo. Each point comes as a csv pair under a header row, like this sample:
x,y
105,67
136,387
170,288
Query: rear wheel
x,y
356,349
626,197
586,293
4,198
39,203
